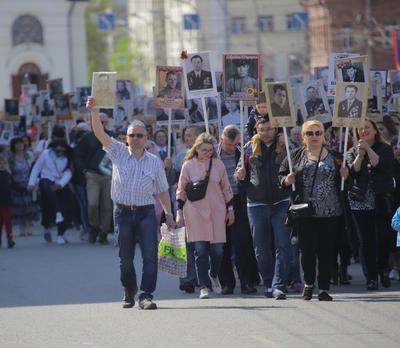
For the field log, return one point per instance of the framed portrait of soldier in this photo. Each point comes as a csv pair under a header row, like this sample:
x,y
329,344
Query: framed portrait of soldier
x,y
82,95
352,69
351,103
62,107
195,112
332,70
383,75
394,78
121,113
11,109
280,104
322,73
103,89
374,111
55,87
199,73
45,104
241,77
123,90
313,102
169,92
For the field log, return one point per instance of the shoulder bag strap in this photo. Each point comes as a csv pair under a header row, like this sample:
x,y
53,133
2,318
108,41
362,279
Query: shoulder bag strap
x,y
209,170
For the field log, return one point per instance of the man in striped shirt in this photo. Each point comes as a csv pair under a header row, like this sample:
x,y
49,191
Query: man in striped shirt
x,y
137,176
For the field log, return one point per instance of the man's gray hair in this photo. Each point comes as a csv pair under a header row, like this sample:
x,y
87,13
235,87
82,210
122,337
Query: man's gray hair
x,y
136,123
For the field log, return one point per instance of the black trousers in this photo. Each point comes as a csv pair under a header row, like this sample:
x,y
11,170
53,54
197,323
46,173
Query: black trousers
x,y
316,243
341,247
239,244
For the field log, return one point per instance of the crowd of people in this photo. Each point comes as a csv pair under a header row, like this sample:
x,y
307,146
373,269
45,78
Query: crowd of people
x,y
124,182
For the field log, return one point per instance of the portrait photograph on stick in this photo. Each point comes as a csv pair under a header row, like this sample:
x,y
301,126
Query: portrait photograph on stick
x,y
383,75
103,89
394,78
280,104
45,104
313,102
351,103
199,73
62,107
322,73
169,91
374,111
11,109
352,69
55,87
332,70
241,77
123,90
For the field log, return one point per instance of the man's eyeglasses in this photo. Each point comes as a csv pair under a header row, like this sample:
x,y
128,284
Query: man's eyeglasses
x,y
136,135
316,133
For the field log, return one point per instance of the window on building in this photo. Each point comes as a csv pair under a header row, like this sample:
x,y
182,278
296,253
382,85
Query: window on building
x,y
238,25
297,21
266,23
27,29
389,28
346,38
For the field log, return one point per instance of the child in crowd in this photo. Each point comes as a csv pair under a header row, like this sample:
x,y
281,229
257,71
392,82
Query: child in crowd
x,y
6,201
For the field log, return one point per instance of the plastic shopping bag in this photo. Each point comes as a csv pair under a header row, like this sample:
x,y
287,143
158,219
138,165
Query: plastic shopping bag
x,y
172,257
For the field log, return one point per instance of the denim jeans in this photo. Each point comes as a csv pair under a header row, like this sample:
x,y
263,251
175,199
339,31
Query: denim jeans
x,y
191,266
80,193
204,252
267,223
141,223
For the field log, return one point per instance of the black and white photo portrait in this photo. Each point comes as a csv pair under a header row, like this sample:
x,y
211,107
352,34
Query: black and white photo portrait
x,y
55,87
322,73
394,76
123,90
103,89
313,102
83,93
62,105
383,75
11,107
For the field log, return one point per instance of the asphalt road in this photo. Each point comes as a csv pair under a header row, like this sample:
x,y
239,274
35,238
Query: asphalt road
x,y
69,296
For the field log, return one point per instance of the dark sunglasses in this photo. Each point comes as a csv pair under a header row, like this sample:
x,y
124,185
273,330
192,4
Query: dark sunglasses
x,y
316,133
137,135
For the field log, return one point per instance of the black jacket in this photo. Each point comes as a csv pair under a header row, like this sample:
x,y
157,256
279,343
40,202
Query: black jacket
x,y
261,182
6,183
381,177
88,154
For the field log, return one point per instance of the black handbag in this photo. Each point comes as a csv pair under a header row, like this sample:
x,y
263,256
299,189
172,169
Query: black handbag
x,y
196,190
301,210
356,193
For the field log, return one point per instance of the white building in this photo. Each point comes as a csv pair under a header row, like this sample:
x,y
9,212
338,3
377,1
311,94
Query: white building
x,y
45,39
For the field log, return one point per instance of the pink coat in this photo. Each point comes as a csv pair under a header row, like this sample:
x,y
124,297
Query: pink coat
x,y
205,219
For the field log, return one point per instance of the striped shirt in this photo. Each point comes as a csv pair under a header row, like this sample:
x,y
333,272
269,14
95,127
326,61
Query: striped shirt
x,y
135,181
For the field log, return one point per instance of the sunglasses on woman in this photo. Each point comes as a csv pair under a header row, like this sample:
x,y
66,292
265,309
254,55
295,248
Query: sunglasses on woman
x,y
312,133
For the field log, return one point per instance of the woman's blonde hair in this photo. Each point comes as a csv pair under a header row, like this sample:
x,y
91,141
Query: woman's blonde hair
x,y
308,124
203,138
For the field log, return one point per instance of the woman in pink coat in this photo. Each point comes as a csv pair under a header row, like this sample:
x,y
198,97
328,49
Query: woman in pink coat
x,y
206,219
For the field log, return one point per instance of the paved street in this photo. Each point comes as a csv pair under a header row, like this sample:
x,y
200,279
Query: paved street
x,y
69,296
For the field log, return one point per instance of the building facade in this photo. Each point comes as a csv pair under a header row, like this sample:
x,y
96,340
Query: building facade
x,y
361,26
41,40
277,29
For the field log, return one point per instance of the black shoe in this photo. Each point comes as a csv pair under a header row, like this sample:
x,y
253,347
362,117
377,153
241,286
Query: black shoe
x,y
147,303
385,280
103,240
93,233
187,287
226,290
247,290
10,244
308,292
324,296
129,299
344,278
372,285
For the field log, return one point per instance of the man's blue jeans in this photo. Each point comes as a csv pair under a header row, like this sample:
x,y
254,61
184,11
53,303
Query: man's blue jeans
x,y
267,223
204,253
140,223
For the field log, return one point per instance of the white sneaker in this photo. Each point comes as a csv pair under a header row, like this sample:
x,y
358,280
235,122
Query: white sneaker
x,y
59,217
204,293
216,285
61,240
394,274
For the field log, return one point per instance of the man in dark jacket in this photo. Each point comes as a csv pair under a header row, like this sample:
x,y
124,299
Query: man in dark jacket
x,y
238,235
266,206
88,155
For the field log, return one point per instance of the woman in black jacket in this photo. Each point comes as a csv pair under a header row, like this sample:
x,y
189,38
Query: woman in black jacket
x,y
317,175
371,200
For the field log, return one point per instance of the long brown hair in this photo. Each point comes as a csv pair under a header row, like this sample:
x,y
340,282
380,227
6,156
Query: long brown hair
x,y
378,136
203,138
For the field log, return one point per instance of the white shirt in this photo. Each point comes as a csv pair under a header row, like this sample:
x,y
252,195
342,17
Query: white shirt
x,y
135,181
51,167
